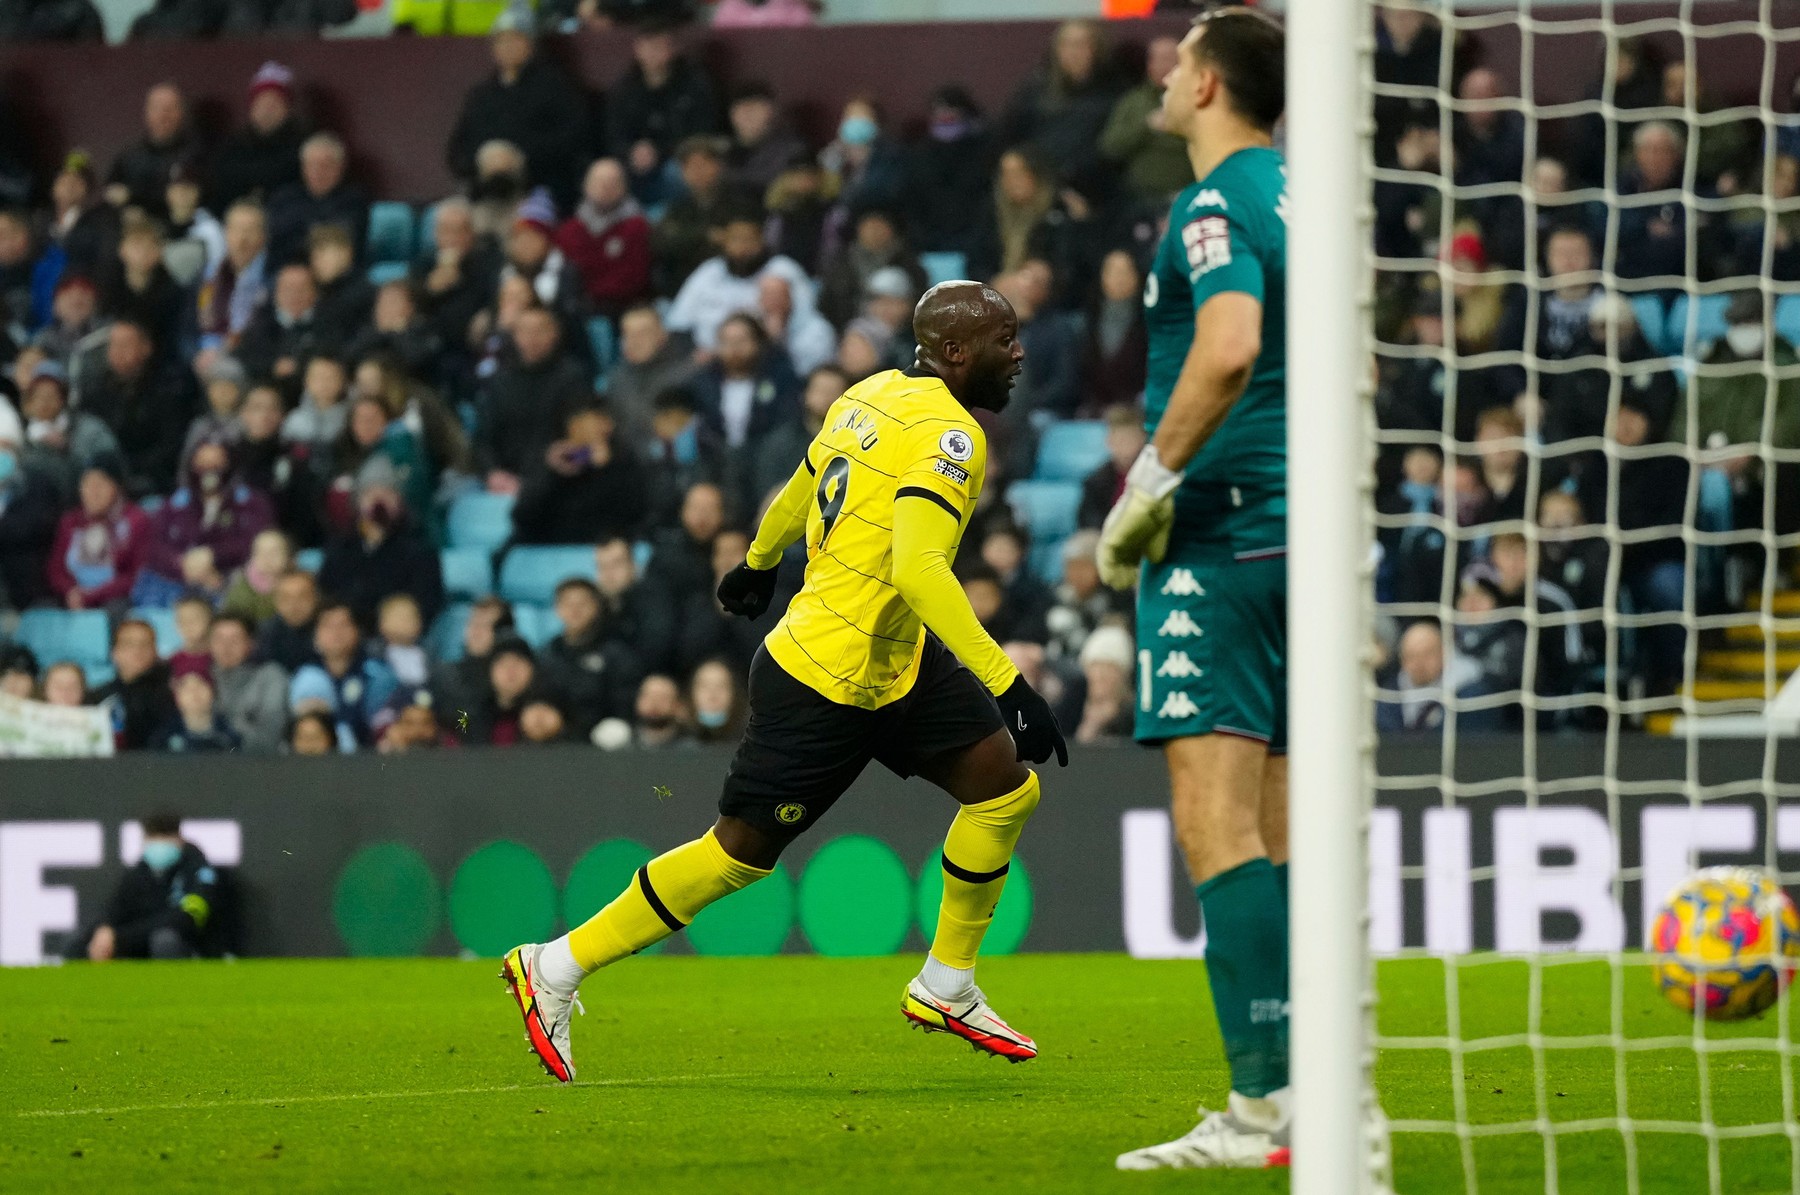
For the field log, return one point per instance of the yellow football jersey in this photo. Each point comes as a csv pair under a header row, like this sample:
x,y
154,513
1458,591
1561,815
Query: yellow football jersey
x,y
849,633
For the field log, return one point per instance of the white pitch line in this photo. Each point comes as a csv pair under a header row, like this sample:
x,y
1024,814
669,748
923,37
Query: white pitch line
x,y
341,1097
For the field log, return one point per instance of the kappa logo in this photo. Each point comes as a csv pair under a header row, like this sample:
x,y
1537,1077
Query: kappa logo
x,y
957,444
1177,664
1210,197
1178,705
1181,583
1179,625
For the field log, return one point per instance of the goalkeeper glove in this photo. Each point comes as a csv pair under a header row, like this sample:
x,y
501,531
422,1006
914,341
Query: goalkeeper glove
x,y
1137,527
748,591
1032,724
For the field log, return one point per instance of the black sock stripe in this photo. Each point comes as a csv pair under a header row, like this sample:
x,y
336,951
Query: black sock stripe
x,y
675,924
975,877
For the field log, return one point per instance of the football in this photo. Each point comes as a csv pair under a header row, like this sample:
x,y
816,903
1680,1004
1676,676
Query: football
x,y
1726,942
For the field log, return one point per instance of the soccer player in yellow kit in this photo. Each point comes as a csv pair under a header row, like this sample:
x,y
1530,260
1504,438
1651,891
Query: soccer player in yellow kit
x,y
879,657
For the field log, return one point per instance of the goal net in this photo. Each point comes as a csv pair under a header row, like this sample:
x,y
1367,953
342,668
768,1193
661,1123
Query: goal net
x,y
1577,306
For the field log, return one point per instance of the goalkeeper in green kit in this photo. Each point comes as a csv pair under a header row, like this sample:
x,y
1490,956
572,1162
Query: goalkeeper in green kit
x,y
1201,529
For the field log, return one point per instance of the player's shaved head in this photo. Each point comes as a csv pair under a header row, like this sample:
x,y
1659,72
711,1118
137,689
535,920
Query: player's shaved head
x,y
968,336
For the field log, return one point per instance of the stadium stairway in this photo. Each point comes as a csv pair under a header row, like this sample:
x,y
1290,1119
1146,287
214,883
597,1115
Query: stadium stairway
x,y
1734,675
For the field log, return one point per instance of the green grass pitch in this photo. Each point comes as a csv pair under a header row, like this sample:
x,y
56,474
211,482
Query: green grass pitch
x,y
787,1075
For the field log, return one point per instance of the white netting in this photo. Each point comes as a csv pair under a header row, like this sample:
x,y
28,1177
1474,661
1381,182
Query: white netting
x,y
1587,647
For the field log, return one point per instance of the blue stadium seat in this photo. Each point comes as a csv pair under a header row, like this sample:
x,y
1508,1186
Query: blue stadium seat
x,y
641,551
428,227
536,624
480,521
944,267
309,559
168,639
1709,323
468,572
1046,508
79,635
1787,319
1071,450
390,232
1653,321
444,641
1046,561
532,574
384,272
603,342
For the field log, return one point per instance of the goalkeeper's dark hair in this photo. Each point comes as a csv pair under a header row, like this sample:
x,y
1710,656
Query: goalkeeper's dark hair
x,y
1249,49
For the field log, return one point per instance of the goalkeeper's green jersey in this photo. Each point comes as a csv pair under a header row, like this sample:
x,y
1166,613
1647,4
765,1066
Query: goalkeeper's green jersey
x,y
1227,232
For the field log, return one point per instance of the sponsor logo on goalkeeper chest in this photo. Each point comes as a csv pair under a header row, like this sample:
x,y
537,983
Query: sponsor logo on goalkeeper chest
x,y
1179,625
1177,664
1178,705
1181,583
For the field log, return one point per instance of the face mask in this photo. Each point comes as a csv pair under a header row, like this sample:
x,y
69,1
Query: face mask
x,y
712,719
9,465
857,130
1746,340
159,856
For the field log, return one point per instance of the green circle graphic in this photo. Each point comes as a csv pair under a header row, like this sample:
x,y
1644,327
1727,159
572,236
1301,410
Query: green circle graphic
x,y
386,901
855,898
502,895
1012,920
754,921
600,875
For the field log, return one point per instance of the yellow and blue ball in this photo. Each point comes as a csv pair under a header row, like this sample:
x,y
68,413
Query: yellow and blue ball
x,y
1726,941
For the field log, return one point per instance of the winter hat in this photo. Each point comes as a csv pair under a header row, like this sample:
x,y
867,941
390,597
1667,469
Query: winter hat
x,y
1108,645
73,279
889,282
513,645
52,370
109,463
537,210
272,76
184,665
1467,246
378,472
80,162
226,369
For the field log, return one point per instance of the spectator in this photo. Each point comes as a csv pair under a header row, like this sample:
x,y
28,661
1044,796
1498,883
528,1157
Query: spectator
x,y
223,381
1783,185
137,286
167,904
281,336
805,335
511,676
1029,220
250,593
524,404
729,282
863,165
681,565
782,450
1653,217
100,545
198,727
720,710
531,253
28,519
1418,682
1568,308
1561,650
1727,150
949,177
318,419
343,681
1107,666
312,733
324,195
659,719
280,470
458,684
1062,109
705,631
663,99
631,613
50,20
234,291
65,685
1493,643
1027,599
252,697
762,144
74,308
764,14
527,101
1081,603
594,672
683,238
81,225
195,239
588,488
18,672
193,622
185,19
205,529
264,156
650,362
1408,212
59,441
375,444
26,274
286,18
541,720
1637,83
286,637
146,401
1499,445
139,693
1051,380
1115,349
400,628
421,412
140,171
398,330
877,247
345,298
888,300
414,725
1575,561
1155,160
455,276
500,183
385,554
748,389
799,210
608,240
1489,139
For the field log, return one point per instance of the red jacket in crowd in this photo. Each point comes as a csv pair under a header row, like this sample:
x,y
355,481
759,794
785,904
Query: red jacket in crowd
x,y
611,252
99,557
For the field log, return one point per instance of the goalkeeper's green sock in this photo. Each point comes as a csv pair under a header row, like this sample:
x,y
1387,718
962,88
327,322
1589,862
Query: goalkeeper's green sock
x,y
1281,879
1247,961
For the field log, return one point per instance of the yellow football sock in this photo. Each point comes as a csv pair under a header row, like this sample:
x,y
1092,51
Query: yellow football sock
x,y
662,898
977,853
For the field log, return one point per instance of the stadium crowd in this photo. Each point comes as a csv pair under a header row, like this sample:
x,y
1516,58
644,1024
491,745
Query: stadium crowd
x,y
274,459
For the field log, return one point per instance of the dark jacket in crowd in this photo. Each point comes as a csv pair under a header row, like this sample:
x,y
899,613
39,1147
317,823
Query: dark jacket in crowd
x,y
295,211
159,306
140,707
267,340
362,574
177,738
256,164
522,411
541,112
949,192
286,17
451,311
288,646
29,510
593,505
683,107
343,310
50,20
1063,123
596,677
144,166
149,416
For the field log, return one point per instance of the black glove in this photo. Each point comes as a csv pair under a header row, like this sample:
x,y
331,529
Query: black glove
x,y
747,591
1032,724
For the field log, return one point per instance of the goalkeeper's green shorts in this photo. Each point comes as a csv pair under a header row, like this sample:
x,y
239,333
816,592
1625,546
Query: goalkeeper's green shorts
x,y
1212,645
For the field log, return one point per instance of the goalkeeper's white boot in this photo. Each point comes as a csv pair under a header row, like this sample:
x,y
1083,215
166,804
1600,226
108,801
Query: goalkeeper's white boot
x,y
1219,1142
546,1011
